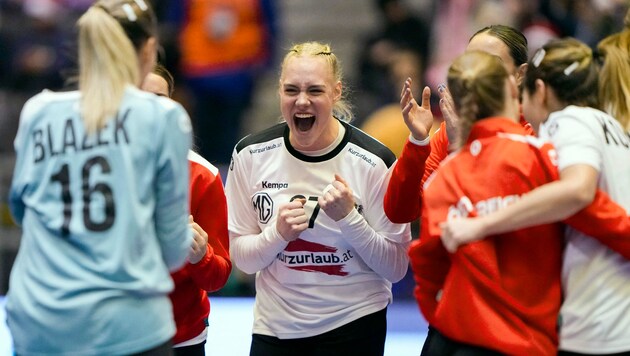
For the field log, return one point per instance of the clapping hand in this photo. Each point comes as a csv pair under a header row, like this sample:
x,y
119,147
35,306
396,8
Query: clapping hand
x,y
418,118
447,106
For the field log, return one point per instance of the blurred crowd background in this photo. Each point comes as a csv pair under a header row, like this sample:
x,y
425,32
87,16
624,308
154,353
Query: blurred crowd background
x,y
225,57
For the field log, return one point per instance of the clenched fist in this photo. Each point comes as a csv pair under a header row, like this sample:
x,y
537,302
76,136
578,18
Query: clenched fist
x,y
199,245
292,219
337,200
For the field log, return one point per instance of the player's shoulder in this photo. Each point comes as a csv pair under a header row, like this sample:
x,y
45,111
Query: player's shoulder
x,y
525,139
361,139
276,131
43,101
201,163
571,114
160,111
141,97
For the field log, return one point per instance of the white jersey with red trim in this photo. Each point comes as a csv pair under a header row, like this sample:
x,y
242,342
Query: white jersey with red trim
x,y
596,310
335,272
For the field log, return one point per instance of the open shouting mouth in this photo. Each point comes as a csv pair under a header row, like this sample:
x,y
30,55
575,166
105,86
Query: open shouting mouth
x,y
304,122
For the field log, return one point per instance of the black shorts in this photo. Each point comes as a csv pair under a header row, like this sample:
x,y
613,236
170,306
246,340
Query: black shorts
x,y
569,353
165,349
437,344
191,350
364,336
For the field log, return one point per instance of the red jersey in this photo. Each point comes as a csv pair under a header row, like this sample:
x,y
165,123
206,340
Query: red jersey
x,y
503,292
403,199
208,207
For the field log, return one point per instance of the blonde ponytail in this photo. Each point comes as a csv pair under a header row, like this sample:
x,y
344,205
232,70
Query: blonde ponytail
x,y
107,63
614,81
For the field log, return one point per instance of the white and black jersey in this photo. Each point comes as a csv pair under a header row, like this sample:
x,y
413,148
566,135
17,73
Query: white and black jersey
x,y
596,280
335,272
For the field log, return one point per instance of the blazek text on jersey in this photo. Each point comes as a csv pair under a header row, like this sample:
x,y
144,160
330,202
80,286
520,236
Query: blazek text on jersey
x,y
49,142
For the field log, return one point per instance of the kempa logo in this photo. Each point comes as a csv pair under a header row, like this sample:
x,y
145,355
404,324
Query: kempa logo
x,y
263,205
274,185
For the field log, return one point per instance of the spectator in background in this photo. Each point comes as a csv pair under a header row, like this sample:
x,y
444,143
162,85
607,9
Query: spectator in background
x,y
401,31
209,264
386,123
37,38
223,46
533,24
586,20
35,48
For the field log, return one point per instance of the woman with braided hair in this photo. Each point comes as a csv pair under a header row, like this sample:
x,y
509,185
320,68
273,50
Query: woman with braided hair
x,y
100,188
422,155
501,295
559,99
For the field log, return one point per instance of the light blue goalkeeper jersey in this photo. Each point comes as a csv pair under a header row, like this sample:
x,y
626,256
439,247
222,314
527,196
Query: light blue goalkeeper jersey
x,y
104,218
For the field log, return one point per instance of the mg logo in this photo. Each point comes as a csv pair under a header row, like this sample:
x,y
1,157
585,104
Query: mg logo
x,y
263,205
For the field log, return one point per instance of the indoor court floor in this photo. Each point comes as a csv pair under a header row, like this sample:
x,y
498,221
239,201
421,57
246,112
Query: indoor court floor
x,y
231,318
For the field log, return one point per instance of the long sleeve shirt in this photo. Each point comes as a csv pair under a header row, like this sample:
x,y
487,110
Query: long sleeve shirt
x,y
503,292
208,207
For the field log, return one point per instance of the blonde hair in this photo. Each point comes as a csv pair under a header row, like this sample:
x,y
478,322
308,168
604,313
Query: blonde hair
x,y
614,85
476,80
110,33
341,109
567,66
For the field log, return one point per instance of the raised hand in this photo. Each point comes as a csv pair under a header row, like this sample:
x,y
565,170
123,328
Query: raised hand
x,y
418,118
337,200
450,117
292,219
199,245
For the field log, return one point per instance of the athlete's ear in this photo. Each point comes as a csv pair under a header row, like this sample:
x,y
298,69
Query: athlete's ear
x,y
520,74
338,90
540,91
147,55
514,91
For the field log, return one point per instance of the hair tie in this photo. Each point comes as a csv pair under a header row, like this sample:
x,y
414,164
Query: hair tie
x,y
571,68
538,57
141,4
131,15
